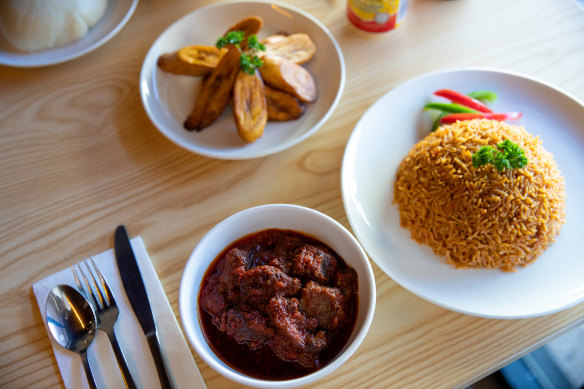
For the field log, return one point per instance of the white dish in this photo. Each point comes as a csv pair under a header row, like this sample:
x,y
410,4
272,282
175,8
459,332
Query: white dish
x,y
168,98
283,216
383,137
116,16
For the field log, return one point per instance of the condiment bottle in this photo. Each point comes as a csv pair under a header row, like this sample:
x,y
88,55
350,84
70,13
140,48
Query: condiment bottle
x,y
376,15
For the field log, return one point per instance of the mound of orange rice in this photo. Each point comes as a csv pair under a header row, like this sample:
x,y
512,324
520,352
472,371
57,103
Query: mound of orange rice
x,y
480,217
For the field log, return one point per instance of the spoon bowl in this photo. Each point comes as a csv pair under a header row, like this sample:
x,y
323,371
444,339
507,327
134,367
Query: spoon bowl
x,y
72,323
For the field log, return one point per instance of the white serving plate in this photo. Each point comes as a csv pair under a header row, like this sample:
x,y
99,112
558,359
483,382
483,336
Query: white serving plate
x,y
383,137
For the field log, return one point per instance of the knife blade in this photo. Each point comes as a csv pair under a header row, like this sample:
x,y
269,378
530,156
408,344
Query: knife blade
x,y
136,292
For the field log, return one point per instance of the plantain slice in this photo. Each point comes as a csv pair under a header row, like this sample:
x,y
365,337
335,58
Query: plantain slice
x,y
249,25
298,48
282,106
290,77
204,56
171,63
215,92
249,106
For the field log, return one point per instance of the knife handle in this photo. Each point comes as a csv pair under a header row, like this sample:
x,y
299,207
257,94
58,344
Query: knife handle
x,y
161,368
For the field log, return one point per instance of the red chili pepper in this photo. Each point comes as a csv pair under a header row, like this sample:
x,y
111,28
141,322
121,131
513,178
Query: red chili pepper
x,y
459,98
454,117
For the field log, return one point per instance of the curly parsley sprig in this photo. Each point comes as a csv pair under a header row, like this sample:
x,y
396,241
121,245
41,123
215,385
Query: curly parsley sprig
x,y
508,156
248,61
231,38
254,44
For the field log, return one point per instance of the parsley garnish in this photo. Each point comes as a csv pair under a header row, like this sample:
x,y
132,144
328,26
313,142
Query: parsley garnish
x,y
254,44
483,156
508,156
248,61
231,38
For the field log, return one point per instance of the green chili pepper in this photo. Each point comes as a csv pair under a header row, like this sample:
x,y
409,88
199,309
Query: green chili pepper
x,y
450,107
483,95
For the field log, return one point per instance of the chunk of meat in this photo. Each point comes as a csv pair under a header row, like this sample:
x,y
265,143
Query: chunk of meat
x,y
290,321
297,338
230,270
313,263
281,263
249,328
212,300
346,280
260,284
236,262
285,349
327,304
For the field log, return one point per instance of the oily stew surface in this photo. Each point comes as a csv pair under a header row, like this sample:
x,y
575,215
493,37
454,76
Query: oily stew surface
x,y
278,304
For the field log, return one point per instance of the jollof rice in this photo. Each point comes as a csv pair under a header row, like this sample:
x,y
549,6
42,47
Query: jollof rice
x,y
480,217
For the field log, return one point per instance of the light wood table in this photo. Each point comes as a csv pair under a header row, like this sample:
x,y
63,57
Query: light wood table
x,y
78,156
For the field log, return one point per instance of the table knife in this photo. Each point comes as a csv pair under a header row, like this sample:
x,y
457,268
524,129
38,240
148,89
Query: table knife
x,y
136,292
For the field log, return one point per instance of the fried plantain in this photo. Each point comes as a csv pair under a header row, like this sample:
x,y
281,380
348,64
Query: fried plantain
x,y
298,48
287,76
171,63
204,56
195,60
249,25
249,106
282,106
215,92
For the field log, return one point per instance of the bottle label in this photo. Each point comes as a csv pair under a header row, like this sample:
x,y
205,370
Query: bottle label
x,y
376,15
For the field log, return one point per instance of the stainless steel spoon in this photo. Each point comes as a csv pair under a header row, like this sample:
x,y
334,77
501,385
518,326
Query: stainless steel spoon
x,y
72,323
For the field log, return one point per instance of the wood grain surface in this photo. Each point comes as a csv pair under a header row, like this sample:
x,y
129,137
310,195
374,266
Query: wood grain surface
x,y
78,156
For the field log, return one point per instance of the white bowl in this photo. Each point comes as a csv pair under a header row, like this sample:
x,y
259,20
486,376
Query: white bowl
x,y
168,99
283,216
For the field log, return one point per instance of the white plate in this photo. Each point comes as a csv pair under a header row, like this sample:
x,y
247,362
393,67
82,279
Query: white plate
x,y
116,16
168,98
383,137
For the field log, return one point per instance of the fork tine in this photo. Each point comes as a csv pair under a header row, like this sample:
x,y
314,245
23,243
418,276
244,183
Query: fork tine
x,y
79,285
102,303
107,291
86,288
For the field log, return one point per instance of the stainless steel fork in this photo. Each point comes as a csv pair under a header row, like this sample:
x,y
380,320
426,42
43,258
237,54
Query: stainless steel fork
x,y
106,309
